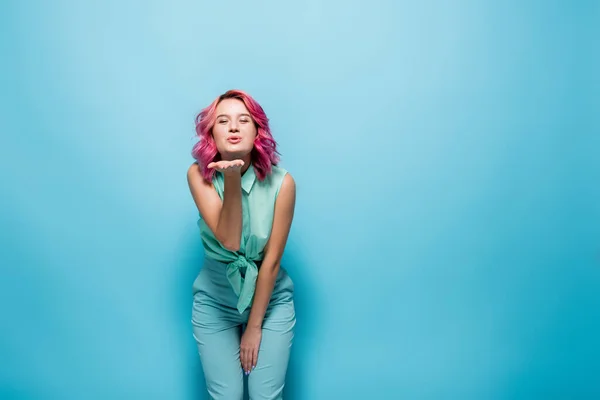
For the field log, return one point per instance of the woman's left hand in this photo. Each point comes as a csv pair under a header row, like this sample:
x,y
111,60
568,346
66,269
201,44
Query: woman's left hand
x,y
249,348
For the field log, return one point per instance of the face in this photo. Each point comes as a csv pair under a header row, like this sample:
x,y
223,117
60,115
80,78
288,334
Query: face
x,y
234,130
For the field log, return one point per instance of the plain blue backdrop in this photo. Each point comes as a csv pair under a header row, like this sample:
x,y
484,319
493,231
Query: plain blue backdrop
x,y
446,243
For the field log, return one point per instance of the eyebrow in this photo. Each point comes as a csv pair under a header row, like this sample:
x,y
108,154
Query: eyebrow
x,y
227,115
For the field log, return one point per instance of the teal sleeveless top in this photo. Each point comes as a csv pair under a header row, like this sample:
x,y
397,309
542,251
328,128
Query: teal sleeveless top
x,y
258,207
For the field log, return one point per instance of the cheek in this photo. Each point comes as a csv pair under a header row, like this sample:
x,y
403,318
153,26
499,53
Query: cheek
x,y
252,132
219,133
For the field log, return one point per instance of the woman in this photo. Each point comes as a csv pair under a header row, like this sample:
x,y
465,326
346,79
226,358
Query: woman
x,y
243,311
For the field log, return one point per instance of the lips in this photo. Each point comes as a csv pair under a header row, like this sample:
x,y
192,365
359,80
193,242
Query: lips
x,y
234,139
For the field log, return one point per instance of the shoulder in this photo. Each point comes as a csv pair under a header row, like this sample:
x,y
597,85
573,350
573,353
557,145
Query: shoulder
x,y
194,171
277,180
287,179
281,173
278,172
195,178
286,196
288,185
288,182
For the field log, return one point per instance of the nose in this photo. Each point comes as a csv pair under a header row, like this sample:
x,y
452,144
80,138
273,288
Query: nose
x,y
233,126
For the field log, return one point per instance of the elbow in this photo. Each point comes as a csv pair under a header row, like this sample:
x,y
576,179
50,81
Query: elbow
x,y
228,241
231,245
271,269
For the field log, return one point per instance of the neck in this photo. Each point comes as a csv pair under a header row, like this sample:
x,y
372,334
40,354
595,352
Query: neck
x,y
246,166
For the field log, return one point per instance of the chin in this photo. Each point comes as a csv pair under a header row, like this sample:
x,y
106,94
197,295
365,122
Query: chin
x,y
234,152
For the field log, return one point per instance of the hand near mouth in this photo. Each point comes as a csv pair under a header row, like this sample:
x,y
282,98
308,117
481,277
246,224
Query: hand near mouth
x,y
227,167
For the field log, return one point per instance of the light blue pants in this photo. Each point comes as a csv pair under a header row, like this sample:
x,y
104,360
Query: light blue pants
x,y
217,327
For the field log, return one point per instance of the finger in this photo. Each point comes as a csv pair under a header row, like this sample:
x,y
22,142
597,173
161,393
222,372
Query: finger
x,y
247,362
211,165
249,359
242,357
254,357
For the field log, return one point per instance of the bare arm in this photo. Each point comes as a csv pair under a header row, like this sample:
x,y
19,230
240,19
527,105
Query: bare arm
x,y
282,221
224,218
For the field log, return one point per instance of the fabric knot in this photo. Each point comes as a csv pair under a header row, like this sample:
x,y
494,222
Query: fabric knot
x,y
242,286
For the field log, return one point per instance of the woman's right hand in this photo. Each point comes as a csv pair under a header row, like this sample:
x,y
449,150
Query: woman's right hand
x,y
227,167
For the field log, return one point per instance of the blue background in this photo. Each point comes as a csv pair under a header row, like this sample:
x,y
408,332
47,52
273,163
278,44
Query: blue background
x,y
446,239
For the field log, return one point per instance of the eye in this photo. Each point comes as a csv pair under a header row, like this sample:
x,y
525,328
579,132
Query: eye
x,y
244,120
222,121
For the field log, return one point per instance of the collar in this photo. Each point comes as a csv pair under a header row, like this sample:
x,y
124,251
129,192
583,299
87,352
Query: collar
x,y
248,179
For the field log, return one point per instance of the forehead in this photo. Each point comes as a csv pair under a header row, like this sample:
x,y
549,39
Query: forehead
x,y
231,107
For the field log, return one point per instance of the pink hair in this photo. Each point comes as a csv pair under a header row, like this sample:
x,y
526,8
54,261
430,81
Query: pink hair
x,y
264,154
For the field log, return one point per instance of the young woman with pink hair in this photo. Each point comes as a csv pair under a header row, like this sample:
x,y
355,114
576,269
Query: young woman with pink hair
x,y
243,313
